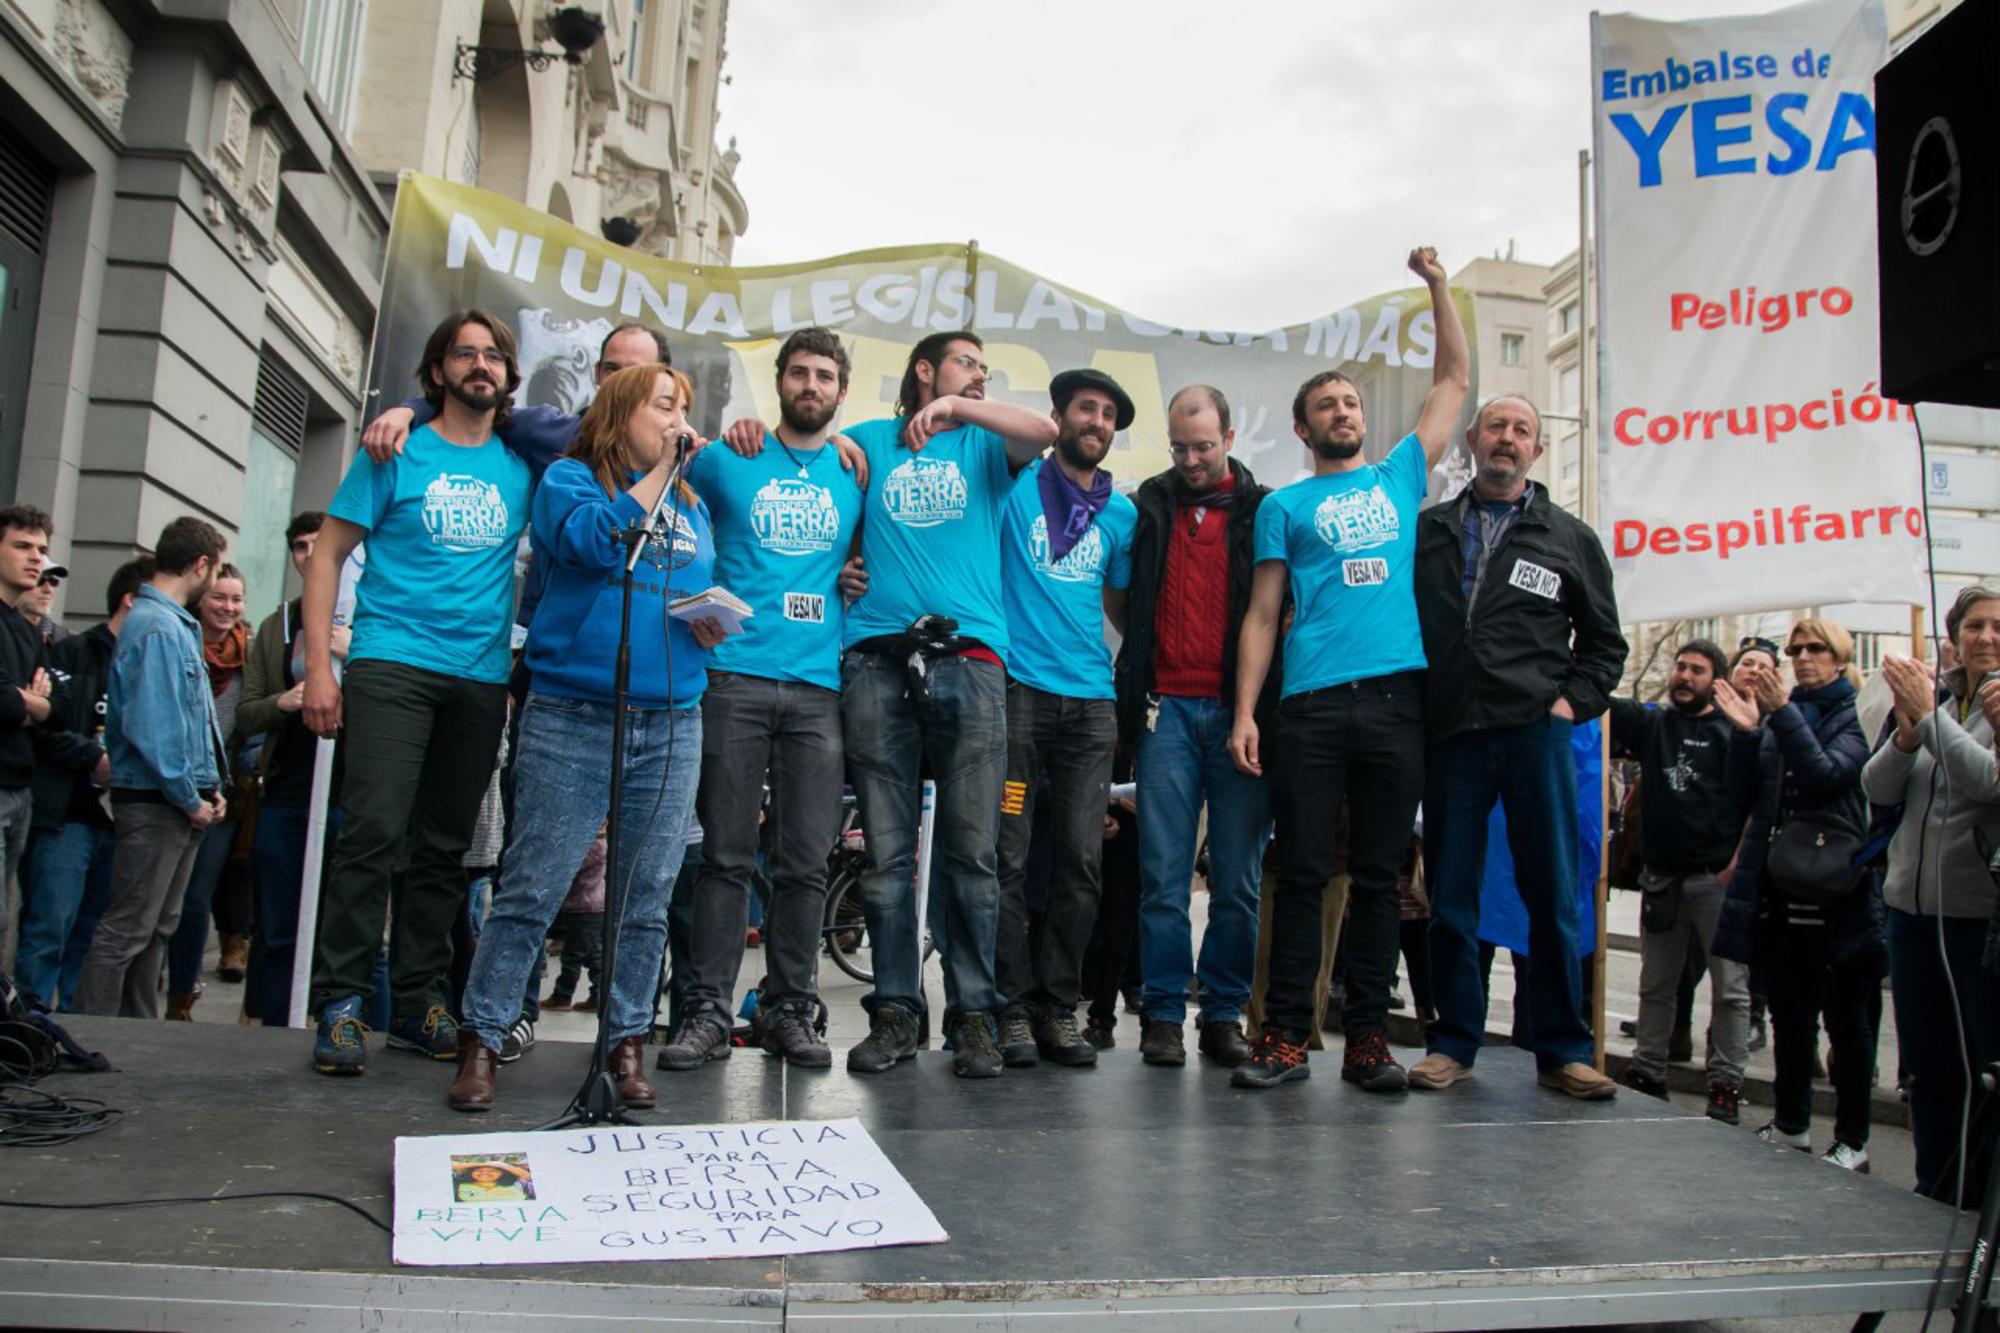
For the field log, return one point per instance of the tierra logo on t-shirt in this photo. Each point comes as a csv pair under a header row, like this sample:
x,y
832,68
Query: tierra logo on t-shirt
x,y
1358,520
464,513
1083,563
792,517
925,492
685,544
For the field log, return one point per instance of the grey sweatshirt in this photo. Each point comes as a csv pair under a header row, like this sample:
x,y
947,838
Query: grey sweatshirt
x,y
1972,801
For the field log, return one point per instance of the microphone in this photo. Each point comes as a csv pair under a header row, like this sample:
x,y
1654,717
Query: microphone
x,y
645,525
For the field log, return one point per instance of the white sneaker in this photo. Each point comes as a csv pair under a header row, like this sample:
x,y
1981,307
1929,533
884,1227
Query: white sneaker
x,y
1770,1133
1847,1156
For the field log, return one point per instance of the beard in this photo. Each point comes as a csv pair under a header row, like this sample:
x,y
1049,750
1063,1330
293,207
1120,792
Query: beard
x,y
1694,702
1337,451
806,418
1082,451
481,395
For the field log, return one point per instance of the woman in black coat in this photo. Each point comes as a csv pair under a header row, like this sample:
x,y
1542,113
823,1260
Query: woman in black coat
x,y
1816,947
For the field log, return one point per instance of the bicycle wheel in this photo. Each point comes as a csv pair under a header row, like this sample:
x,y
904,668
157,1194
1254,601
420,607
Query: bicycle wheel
x,y
844,928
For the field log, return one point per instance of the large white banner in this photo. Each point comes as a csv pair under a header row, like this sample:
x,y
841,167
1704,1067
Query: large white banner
x,y
644,1192
1749,460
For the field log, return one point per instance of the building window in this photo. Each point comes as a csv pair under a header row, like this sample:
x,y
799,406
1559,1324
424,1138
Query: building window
x,y
1569,388
330,49
1568,317
635,64
1513,349
278,419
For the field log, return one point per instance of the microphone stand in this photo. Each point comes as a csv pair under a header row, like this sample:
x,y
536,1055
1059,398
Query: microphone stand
x,y
597,1102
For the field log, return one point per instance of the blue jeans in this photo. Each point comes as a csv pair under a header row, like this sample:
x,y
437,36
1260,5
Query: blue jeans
x,y
562,777
1531,771
190,942
278,853
1183,759
1927,1032
962,732
68,878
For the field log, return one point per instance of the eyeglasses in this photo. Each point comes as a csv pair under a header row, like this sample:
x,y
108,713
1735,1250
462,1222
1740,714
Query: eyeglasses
x,y
967,361
465,356
49,581
1797,649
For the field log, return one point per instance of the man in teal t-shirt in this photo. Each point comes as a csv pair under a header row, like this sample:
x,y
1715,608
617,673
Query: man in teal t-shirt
x,y
1066,558
784,522
1351,739
424,696
940,473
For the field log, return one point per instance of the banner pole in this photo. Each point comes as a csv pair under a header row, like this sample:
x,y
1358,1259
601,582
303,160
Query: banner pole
x,y
1917,631
305,941
1600,975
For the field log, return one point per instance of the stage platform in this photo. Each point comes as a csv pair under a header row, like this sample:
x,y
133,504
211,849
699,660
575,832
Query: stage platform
x,y
1074,1199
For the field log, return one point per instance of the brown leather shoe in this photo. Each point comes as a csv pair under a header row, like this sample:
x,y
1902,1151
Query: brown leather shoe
x,y
180,1008
1437,1070
235,958
472,1090
1162,1042
1579,1081
1223,1042
628,1067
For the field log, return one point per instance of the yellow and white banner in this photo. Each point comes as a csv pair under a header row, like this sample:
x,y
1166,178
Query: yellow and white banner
x,y
563,289
1750,461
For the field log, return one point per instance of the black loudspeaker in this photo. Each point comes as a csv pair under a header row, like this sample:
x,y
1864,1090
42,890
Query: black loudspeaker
x,y
1937,210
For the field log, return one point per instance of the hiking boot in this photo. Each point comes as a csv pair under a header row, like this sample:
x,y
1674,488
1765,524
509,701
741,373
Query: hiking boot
x,y
891,1039
973,1052
1163,1042
789,1035
1222,1041
1275,1059
472,1090
1578,1080
703,1037
1847,1157
340,1047
1367,1062
520,1040
1800,1139
1099,1035
434,1036
1725,1103
1060,1043
628,1070
1018,1049
1646,1083
235,960
1438,1070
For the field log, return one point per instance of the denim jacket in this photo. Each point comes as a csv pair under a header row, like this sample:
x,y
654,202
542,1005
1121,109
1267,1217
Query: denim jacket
x,y
160,725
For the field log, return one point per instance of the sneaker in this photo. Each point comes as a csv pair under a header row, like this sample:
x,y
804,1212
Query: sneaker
x,y
789,1035
1770,1133
1163,1042
1847,1157
891,1039
973,1052
1274,1059
1059,1041
1725,1103
1099,1035
1438,1070
1017,1040
703,1037
1646,1083
519,1041
434,1036
1367,1062
340,1047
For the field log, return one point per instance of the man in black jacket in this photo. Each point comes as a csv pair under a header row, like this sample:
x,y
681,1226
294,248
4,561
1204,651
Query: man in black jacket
x,y
1521,632
66,875
1176,675
26,700
1689,825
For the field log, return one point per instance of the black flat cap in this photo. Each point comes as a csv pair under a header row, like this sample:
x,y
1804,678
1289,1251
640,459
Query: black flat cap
x,y
1064,386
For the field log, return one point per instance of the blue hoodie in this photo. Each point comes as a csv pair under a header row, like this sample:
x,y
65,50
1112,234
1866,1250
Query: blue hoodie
x,y
573,641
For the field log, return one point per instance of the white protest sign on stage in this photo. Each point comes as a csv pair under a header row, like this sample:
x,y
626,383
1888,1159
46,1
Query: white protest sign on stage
x,y
644,1192
1749,460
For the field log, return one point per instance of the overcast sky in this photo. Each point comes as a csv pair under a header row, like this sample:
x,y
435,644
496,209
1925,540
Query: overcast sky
x,y
1235,165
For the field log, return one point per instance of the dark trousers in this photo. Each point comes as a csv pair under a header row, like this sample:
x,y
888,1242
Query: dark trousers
x,y
1807,989
1111,958
1927,1033
680,936
1068,744
1531,771
790,731
1357,748
278,852
149,875
583,952
420,752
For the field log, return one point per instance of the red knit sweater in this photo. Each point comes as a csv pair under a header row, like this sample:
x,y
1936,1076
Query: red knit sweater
x,y
1192,619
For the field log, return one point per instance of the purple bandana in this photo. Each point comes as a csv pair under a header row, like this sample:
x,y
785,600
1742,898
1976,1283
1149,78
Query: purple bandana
x,y
1068,507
